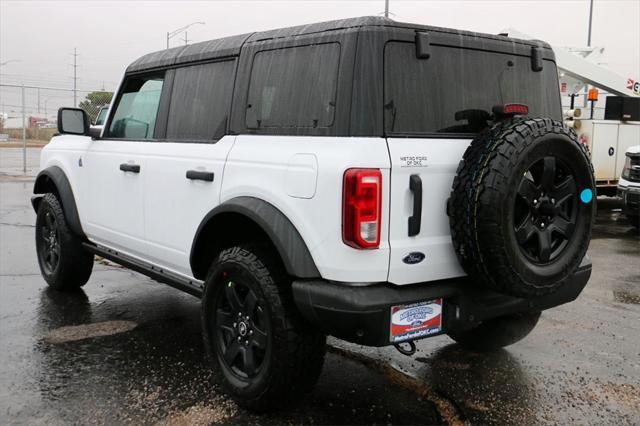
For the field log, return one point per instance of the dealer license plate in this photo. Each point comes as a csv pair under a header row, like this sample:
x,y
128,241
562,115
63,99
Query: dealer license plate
x,y
416,320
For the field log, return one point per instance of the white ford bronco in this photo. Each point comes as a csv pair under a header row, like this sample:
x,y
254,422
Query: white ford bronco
x,y
376,181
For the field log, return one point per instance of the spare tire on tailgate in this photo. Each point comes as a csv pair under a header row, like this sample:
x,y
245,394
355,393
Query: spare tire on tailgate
x,y
521,207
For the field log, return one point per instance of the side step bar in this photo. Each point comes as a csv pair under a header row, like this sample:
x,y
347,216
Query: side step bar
x,y
193,287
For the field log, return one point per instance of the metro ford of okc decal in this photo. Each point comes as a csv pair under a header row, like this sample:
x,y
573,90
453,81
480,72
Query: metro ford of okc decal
x,y
417,320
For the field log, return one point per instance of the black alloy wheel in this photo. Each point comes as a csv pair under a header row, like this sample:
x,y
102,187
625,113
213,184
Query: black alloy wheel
x,y
242,329
49,243
63,262
546,210
264,353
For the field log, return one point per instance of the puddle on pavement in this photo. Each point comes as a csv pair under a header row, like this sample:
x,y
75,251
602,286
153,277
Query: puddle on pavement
x,y
627,290
623,296
87,331
218,411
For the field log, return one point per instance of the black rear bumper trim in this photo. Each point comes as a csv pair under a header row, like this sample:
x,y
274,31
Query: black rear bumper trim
x,y
361,314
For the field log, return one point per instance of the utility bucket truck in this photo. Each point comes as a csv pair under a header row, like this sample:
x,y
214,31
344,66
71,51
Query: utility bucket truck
x,y
609,130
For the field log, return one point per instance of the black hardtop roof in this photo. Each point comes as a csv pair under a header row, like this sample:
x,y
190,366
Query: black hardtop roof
x,y
230,46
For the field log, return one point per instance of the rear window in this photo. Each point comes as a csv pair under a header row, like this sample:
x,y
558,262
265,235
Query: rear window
x,y
293,87
200,101
424,95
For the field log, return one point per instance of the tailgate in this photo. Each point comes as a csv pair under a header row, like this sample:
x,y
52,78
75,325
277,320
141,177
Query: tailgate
x,y
426,254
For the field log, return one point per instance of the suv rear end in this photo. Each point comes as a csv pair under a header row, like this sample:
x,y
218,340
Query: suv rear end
x,y
428,92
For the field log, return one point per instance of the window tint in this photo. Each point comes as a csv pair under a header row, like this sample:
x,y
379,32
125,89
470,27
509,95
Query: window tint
x,y
135,116
424,95
200,101
293,87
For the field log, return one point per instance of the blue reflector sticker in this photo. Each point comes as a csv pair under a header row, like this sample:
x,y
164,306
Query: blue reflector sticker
x,y
586,196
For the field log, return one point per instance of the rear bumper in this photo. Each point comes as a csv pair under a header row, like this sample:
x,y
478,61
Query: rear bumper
x,y
631,198
362,314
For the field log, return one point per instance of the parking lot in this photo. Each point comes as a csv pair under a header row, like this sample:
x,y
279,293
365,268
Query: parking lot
x,y
135,354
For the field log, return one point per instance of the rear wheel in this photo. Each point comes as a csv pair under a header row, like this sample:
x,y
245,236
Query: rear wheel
x,y
498,332
265,354
64,264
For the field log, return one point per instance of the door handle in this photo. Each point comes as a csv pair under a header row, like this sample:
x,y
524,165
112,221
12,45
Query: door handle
x,y
200,175
415,186
133,168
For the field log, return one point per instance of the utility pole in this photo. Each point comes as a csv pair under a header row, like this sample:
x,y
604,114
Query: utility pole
x,y
75,77
38,91
24,135
590,21
386,8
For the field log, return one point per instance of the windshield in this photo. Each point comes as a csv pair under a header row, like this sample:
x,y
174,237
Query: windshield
x,y
455,89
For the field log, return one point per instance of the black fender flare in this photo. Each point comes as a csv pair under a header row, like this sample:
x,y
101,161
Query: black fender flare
x,y
283,234
55,176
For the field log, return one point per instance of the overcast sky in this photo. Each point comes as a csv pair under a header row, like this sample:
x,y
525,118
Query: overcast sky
x,y
37,38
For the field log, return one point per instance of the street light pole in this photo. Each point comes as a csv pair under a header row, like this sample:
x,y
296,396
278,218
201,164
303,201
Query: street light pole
x,y
386,8
590,21
179,30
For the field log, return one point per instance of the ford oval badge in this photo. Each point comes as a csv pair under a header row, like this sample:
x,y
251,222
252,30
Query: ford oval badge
x,y
413,258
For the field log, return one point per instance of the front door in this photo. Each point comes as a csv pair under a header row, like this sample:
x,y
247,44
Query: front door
x,y
116,168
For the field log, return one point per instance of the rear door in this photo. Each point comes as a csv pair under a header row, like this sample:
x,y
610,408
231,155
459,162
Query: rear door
x,y
433,108
184,169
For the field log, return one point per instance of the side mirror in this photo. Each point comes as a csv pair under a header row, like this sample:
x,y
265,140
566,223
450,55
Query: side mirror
x,y
73,121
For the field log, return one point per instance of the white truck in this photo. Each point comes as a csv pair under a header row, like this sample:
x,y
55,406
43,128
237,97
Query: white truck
x,y
629,186
606,130
378,181
608,141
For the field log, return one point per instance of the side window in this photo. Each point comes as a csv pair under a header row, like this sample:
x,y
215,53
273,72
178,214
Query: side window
x,y
293,87
200,101
137,109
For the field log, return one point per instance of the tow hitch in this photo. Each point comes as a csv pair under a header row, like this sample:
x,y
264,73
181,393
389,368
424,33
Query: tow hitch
x,y
404,351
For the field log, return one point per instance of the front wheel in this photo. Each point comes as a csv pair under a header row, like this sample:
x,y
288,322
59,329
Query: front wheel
x,y
264,353
64,264
498,332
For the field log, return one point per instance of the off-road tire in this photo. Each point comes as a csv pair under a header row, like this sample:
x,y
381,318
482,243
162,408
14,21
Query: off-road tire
x,y
482,206
74,265
497,332
295,351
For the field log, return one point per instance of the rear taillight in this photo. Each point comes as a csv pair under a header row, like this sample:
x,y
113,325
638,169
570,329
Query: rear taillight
x,y
515,109
361,208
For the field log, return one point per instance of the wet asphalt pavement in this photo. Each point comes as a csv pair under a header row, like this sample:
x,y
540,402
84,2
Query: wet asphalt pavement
x,y
135,354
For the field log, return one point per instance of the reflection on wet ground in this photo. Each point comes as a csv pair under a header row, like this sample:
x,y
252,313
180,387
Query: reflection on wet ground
x,y
580,365
155,372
